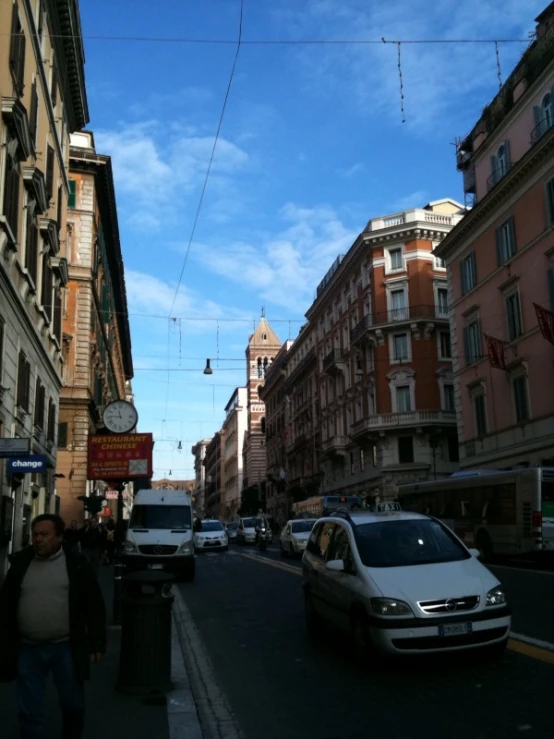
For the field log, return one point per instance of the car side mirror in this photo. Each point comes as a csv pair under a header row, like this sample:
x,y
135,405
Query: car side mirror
x,y
475,553
336,565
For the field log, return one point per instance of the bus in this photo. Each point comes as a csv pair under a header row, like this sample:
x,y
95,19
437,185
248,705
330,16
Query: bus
x,y
322,505
505,512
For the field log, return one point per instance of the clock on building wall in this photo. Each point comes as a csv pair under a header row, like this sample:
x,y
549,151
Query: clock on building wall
x,y
120,416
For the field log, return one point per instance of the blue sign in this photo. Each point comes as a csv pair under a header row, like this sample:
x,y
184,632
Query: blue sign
x,y
24,465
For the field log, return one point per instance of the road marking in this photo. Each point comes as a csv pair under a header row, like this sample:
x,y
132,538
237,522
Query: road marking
x,y
527,645
520,569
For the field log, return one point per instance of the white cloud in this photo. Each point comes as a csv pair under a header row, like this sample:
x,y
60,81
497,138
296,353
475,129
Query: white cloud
x,y
441,81
285,268
352,171
155,169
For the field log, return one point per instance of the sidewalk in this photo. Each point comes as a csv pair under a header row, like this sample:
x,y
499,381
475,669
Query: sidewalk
x,y
110,715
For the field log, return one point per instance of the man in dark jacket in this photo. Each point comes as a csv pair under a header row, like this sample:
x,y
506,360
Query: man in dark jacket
x,y
93,543
52,619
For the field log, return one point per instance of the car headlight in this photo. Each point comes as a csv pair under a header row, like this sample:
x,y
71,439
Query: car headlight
x,y
130,547
390,607
496,596
185,548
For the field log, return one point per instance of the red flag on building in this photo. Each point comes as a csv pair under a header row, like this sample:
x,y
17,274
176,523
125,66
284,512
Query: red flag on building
x,y
545,319
495,350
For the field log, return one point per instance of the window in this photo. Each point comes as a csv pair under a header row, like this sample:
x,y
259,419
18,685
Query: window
x,y
72,198
40,398
51,434
505,242
396,261
513,313
468,273
442,301
399,311
62,435
472,342
17,53
405,449
445,350
500,164
400,343
31,243
439,263
449,404
340,549
550,201
544,116
23,381
521,399
479,411
49,171
403,399
33,115
11,188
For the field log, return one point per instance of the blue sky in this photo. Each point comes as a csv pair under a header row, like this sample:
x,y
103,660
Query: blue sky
x,y
312,146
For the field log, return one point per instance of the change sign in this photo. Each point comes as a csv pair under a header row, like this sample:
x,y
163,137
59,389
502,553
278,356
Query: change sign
x,y
23,465
119,456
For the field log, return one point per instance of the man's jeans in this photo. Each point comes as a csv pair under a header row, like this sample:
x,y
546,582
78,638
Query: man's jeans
x,y
34,663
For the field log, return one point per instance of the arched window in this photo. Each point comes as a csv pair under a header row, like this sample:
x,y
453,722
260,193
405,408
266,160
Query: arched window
x,y
260,368
266,365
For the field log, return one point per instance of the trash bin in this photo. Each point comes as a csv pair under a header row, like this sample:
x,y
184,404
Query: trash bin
x,y
118,573
145,657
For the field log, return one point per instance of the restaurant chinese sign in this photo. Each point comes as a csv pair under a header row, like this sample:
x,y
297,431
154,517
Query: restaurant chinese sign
x,y
119,456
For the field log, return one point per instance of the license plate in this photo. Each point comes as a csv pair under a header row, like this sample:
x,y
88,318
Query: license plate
x,y
455,629
155,567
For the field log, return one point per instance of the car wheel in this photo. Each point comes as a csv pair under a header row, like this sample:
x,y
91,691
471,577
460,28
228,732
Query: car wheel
x,y
361,639
484,545
311,616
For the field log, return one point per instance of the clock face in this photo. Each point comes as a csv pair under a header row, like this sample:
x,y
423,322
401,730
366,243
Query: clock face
x,y
120,416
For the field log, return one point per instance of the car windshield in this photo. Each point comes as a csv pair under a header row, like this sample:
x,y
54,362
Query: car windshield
x,y
302,527
251,523
231,526
408,542
212,526
160,517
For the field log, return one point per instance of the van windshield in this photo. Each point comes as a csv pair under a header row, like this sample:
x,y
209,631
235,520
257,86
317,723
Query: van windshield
x,y
160,517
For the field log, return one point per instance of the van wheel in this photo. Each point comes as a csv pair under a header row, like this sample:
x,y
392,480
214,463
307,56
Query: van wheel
x,y
484,545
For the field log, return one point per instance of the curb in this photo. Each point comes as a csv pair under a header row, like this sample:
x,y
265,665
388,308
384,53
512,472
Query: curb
x,y
197,708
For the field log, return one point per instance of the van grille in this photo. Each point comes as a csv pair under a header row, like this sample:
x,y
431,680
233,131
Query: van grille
x,y
449,605
160,549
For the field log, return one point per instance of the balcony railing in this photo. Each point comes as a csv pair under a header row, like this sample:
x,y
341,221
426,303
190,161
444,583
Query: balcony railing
x,y
384,421
541,128
497,175
334,361
398,315
302,365
335,445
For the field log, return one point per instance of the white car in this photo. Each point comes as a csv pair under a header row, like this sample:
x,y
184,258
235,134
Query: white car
x,y
212,537
402,583
246,531
295,535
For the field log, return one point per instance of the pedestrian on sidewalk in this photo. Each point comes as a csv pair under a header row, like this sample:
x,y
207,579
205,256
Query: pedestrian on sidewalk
x,y
52,619
110,541
71,537
93,544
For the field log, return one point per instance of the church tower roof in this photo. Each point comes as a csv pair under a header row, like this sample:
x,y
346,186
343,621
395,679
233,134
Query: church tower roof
x,y
264,335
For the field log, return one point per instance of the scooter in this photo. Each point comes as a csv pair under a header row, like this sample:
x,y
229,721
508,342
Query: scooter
x,y
263,539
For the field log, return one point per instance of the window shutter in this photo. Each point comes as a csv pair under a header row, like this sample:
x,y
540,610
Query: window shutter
x,y
498,240
27,386
512,236
494,169
479,339
49,171
58,316
466,345
463,286
550,275
72,197
508,158
550,201
54,91
62,435
31,256
473,269
21,379
33,116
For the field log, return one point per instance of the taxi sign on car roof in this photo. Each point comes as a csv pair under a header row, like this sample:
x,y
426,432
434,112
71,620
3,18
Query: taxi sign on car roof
x,y
388,506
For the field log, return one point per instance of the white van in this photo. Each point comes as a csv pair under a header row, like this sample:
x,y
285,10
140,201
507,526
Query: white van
x,y
159,535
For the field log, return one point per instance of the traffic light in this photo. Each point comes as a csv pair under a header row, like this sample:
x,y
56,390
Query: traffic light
x,y
93,503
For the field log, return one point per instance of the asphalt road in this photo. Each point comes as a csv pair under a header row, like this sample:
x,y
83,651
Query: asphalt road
x,y
283,685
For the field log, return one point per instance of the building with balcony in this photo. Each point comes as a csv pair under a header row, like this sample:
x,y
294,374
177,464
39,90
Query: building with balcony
x,y
262,348
383,360
96,345
234,430
500,262
214,461
273,396
199,453
43,99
